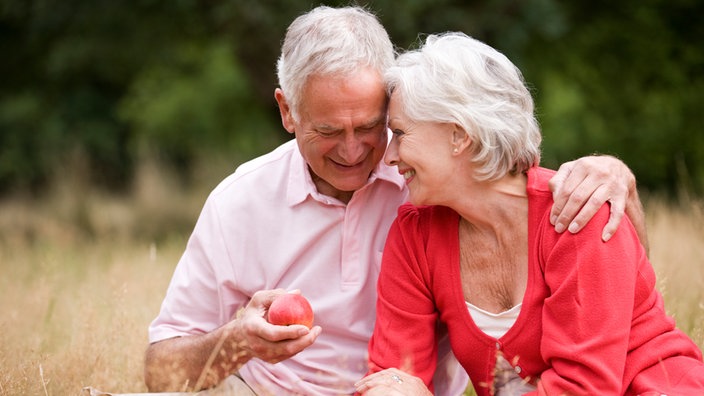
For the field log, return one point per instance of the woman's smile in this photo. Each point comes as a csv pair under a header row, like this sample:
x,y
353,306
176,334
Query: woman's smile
x,y
408,174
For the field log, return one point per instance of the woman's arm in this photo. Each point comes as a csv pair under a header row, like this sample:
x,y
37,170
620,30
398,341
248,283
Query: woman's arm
x,y
587,317
404,332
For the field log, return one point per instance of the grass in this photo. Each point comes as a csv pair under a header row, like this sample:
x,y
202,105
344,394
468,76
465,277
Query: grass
x,y
77,316
83,274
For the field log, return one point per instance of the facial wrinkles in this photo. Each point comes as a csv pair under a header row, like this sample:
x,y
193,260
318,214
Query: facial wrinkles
x,y
397,123
360,142
422,155
343,123
404,137
349,145
411,152
415,151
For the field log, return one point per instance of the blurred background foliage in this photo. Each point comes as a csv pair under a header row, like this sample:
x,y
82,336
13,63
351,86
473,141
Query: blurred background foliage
x,y
98,87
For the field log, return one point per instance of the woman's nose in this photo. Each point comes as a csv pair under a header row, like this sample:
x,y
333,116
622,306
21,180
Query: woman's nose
x,y
391,155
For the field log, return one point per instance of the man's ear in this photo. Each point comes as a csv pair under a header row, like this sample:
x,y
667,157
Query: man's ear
x,y
460,140
285,110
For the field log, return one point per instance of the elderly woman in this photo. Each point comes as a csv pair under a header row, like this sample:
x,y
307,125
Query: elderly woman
x,y
527,310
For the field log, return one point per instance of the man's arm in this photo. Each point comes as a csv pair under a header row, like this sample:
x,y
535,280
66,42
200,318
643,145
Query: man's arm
x,y
202,361
582,186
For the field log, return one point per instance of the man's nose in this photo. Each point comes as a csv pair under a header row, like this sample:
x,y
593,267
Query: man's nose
x,y
352,148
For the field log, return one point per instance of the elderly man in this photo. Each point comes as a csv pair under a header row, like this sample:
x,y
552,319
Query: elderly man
x,y
313,216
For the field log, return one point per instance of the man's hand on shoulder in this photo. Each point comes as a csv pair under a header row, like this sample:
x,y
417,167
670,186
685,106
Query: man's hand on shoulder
x,y
582,186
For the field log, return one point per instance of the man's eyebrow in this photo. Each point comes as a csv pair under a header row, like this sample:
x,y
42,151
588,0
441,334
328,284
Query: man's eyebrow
x,y
326,127
374,122
369,124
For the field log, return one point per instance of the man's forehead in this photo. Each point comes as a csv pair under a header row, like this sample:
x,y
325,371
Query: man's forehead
x,y
331,124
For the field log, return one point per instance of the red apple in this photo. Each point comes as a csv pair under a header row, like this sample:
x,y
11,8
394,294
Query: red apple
x,y
288,309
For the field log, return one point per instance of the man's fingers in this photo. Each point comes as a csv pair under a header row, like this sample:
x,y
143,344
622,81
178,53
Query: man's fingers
x,y
276,351
574,217
617,212
265,297
563,185
588,210
565,211
583,186
275,333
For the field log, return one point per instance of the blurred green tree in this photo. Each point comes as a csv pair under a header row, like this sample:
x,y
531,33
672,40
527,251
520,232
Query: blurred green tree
x,y
105,83
627,79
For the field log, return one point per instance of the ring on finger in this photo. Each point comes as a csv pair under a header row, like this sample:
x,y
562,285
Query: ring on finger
x,y
397,379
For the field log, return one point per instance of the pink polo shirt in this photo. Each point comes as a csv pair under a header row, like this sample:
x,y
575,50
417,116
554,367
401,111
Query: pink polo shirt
x,y
266,227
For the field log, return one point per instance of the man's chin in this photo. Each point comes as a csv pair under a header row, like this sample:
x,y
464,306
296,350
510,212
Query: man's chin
x,y
349,188
350,182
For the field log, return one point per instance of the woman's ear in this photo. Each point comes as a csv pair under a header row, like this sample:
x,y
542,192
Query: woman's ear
x,y
460,140
285,110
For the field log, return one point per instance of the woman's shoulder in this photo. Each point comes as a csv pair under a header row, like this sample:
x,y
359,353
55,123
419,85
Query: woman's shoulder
x,y
538,179
424,218
410,212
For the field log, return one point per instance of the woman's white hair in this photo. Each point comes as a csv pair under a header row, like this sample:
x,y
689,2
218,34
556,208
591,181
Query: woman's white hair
x,y
331,41
453,78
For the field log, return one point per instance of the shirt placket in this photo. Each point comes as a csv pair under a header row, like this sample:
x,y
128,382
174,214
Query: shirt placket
x,y
351,250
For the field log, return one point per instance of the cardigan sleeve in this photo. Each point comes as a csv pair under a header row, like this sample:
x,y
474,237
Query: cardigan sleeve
x,y
587,316
405,331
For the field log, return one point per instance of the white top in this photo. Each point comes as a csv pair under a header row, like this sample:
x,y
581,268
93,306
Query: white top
x,y
494,325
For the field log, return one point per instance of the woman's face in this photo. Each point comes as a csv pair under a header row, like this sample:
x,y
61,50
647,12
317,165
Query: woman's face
x,y
423,153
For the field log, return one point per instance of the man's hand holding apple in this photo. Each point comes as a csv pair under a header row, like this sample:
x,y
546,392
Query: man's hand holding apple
x,y
256,337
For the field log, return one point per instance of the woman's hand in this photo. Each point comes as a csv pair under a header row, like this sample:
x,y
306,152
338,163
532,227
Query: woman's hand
x,y
392,382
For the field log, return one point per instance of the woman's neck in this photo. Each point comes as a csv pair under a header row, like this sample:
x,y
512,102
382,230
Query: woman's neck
x,y
492,207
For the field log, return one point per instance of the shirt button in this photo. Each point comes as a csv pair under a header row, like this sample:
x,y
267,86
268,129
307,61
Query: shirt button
x,y
498,346
518,369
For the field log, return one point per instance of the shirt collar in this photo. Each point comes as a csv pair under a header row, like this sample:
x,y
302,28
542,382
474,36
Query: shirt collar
x,y
300,182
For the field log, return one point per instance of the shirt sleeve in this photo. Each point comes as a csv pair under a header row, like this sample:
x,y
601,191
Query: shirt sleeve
x,y
587,316
193,302
405,331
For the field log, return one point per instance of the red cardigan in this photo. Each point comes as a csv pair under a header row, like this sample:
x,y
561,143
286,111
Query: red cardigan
x,y
591,322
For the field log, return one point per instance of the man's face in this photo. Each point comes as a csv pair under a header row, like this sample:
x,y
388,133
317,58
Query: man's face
x,y
342,130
